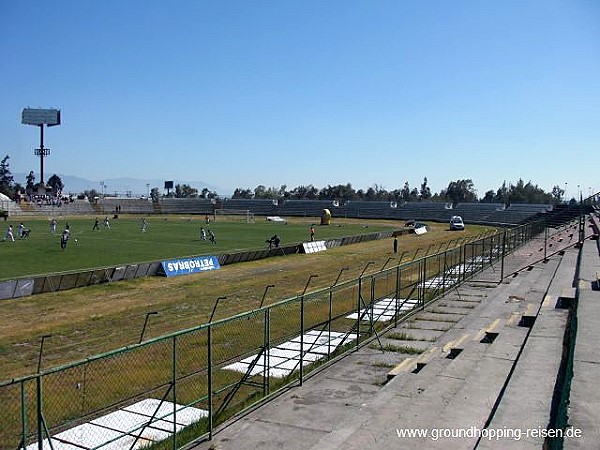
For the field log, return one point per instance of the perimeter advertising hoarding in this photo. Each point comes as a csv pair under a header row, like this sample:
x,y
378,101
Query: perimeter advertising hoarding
x,y
186,266
50,117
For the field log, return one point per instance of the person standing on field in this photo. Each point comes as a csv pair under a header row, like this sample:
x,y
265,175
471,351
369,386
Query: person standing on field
x,y
64,238
9,234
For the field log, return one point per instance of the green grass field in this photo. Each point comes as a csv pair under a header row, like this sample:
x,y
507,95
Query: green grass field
x,y
165,238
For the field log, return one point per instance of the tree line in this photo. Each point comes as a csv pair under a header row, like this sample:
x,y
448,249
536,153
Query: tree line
x,y
12,189
458,191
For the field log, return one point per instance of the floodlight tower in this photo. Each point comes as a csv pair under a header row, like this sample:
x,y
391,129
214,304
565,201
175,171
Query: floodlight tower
x,y
41,117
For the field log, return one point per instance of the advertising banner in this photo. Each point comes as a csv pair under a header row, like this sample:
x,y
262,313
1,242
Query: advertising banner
x,y
313,247
184,266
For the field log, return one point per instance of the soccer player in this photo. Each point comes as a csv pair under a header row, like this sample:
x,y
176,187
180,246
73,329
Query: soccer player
x,y
96,225
9,234
64,238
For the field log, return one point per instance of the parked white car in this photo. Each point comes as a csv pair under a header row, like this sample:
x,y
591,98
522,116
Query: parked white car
x,y
456,223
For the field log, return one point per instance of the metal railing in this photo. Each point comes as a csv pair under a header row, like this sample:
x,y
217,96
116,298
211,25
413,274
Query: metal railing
x,y
180,387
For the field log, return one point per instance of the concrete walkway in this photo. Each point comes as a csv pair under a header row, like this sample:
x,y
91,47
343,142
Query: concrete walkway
x,y
489,361
584,412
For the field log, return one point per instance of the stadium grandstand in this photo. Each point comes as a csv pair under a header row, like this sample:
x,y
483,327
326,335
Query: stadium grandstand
x,y
496,214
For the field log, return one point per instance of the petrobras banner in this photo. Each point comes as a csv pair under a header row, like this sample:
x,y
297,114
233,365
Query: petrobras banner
x,y
185,266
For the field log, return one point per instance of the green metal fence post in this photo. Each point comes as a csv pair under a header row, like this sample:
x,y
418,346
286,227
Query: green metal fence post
x,y
267,346
301,339
329,322
358,312
423,278
444,271
397,296
462,256
40,418
545,243
174,381
210,383
371,302
503,256
23,414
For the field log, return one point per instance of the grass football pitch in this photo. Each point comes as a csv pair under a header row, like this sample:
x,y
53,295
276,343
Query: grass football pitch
x,y
165,238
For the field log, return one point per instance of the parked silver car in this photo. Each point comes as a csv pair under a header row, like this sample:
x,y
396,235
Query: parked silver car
x,y
456,223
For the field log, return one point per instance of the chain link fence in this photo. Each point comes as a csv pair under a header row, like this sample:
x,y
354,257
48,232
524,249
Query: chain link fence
x,y
172,390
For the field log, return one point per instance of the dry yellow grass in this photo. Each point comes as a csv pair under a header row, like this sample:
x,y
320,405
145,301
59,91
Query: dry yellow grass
x,y
87,321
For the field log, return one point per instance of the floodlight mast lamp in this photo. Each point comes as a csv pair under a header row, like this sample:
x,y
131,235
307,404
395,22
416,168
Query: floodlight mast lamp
x,y
39,118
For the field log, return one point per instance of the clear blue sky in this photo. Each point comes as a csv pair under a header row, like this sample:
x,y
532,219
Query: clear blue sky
x,y
243,93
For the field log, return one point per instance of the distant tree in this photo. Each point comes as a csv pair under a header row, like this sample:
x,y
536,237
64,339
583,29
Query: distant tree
x,y
405,192
425,192
6,178
270,193
185,191
414,195
91,194
283,193
207,193
56,184
30,183
242,193
380,192
154,194
527,193
460,191
304,193
557,194
517,193
371,194
489,197
502,194
339,192
260,191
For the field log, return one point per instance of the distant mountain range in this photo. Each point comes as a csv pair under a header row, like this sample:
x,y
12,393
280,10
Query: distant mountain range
x,y
120,186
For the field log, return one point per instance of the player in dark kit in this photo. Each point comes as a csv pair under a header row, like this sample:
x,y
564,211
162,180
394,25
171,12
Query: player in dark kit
x,y
64,238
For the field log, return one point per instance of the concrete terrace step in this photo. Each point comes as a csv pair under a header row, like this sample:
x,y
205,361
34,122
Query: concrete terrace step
x,y
344,407
527,401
